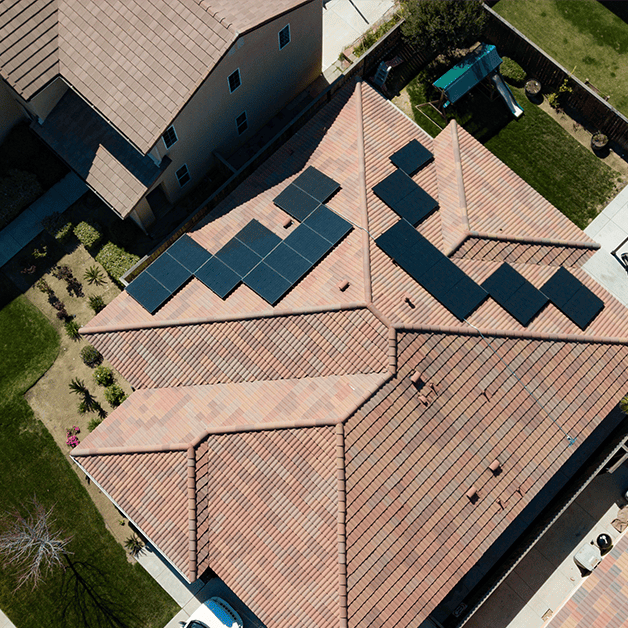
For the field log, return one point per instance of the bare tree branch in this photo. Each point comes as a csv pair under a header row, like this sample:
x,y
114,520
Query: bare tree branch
x,y
30,543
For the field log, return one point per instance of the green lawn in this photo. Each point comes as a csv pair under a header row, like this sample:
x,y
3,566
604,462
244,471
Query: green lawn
x,y
581,34
538,149
100,588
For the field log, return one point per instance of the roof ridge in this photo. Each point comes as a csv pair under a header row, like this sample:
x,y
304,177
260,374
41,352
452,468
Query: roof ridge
x,y
366,257
508,333
322,309
192,522
236,429
462,197
341,521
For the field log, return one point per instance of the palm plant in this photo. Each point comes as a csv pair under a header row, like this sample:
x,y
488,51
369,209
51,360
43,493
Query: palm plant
x,y
93,275
88,403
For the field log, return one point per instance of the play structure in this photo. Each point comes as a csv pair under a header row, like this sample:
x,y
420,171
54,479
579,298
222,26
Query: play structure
x,y
475,67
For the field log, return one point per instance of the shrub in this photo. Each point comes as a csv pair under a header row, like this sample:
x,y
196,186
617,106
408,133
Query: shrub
x,y
96,303
42,286
72,330
56,227
103,376
373,36
134,545
116,261
71,436
39,253
512,72
93,275
91,356
89,235
94,423
114,395
557,99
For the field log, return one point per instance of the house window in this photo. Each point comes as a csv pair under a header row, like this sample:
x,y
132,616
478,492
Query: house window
x,y
170,136
284,36
234,81
242,123
183,175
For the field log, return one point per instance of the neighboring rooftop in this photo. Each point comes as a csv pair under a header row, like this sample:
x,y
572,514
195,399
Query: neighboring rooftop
x,y
358,413
137,64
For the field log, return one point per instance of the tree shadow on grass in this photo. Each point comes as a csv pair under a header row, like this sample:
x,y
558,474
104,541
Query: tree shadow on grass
x,y
89,597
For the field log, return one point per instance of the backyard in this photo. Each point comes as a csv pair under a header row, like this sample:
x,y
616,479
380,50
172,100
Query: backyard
x,y
584,37
534,146
99,586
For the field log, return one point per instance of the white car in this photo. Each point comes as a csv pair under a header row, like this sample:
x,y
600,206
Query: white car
x,y
215,613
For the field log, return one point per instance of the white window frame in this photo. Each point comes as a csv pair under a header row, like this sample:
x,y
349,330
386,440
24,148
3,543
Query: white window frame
x,y
236,71
176,137
246,121
187,171
287,26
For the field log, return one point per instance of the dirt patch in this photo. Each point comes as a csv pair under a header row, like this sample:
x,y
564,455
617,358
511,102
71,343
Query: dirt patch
x,y
50,398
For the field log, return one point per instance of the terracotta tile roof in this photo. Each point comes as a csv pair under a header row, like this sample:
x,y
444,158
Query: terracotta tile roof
x,y
267,522
291,346
98,153
411,531
405,457
153,487
602,599
137,63
177,417
29,54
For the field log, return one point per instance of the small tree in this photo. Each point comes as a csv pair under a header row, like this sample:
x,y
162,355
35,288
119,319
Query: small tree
x,y
31,544
440,26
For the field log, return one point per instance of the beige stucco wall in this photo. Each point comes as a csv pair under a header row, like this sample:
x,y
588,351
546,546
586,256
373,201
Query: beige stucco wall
x,y
270,79
10,111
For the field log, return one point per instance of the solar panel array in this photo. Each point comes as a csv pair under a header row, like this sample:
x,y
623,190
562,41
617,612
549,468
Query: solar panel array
x,y
515,294
400,192
431,269
572,298
255,256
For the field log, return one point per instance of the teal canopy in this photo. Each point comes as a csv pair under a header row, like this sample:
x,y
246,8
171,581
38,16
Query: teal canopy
x,y
483,61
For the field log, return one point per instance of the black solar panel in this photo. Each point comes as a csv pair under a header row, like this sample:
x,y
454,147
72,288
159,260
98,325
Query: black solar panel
x,y
515,294
405,197
328,224
296,202
168,272
189,253
148,292
288,263
572,298
432,270
308,244
316,184
259,238
269,284
411,157
218,277
238,257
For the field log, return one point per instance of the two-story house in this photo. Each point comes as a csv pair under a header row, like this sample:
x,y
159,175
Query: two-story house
x,y
138,97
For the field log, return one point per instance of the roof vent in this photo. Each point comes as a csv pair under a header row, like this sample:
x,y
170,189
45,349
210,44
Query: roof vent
x,y
416,378
495,467
472,494
343,285
287,223
407,297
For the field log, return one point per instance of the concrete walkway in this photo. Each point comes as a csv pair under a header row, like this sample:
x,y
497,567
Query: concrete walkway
x,y
345,20
16,235
5,622
609,229
189,596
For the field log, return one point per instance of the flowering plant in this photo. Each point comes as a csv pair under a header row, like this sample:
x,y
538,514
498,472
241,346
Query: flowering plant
x,y
71,436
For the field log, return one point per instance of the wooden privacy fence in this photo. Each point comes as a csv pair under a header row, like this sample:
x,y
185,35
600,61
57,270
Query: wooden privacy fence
x,y
598,113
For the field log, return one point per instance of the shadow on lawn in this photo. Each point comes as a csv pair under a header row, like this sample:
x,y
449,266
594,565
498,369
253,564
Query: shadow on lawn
x,y
90,598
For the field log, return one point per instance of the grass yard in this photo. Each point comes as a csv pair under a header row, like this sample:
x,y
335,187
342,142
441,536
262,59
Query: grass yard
x,y
536,147
582,34
100,588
